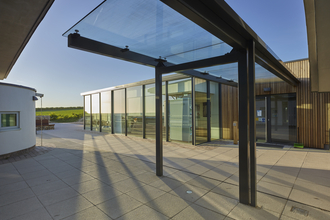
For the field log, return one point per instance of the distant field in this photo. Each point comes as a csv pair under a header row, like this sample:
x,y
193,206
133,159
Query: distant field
x,y
62,114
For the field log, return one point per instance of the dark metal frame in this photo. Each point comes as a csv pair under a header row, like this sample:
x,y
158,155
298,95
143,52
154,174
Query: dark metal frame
x,y
167,106
100,116
126,112
219,19
143,112
208,111
84,112
159,116
112,113
193,118
78,42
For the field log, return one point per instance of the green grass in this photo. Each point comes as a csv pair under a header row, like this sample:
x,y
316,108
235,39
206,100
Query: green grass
x,y
63,114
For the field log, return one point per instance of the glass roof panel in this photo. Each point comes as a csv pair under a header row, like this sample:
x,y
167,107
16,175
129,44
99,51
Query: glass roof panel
x,y
225,71
151,28
262,75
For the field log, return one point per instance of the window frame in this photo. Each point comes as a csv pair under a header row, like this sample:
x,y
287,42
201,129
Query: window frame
x,y
17,120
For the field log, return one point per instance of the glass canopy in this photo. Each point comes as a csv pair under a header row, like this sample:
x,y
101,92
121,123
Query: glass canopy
x,y
151,28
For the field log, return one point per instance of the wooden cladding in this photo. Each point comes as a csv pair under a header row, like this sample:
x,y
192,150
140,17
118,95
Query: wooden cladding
x,y
313,109
229,110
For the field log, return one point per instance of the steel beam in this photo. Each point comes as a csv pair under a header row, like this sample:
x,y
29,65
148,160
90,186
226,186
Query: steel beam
x,y
243,117
219,19
252,122
159,124
81,43
214,61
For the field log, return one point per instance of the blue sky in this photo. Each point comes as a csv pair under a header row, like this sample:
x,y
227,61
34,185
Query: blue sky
x,y
62,73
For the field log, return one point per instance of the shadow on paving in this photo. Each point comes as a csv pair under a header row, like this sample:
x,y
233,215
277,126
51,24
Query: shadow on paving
x,y
114,176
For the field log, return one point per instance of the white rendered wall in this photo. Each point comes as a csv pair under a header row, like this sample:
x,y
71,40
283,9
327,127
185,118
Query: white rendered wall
x,y
18,99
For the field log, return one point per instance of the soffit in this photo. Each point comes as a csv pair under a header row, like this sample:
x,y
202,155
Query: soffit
x,y
318,32
18,21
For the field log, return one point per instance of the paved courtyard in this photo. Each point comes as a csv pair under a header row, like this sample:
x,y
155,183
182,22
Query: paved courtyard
x,y
89,175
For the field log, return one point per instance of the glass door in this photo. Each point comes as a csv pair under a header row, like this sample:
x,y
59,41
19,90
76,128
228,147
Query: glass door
x,y
276,118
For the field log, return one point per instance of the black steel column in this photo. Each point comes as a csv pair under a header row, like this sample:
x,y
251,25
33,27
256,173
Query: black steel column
x,y
100,113
208,111
91,113
193,114
243,116
84,112
268,118
125,111
220,110
159,124
112,113
143,112
167,110
252,122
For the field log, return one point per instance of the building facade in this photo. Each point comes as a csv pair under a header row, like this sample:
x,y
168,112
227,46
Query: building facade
x,y
284,114
17,112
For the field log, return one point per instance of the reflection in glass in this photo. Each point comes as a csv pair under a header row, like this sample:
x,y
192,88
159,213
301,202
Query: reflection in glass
x,y
119,111
283,118
261,118
106,111
87,118
134,111
180,110
214,93
8,120
201,110
96,112
150,115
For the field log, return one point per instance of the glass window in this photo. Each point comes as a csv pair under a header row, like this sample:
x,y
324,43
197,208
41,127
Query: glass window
x,y
150,106
96,112
9,120
87,118
106,111
134,111
180,110
119,111
150,115
201,110
214,93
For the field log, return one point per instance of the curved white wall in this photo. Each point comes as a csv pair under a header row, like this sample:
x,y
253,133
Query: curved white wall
x,y
19,99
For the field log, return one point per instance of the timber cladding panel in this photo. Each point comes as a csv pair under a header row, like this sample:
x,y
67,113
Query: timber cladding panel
x,y
229,110
313,109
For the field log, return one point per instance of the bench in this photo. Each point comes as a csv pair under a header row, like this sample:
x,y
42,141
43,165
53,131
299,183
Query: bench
x,y
45,125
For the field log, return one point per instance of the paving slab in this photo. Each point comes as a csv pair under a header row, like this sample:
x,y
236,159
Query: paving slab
x,y
89,174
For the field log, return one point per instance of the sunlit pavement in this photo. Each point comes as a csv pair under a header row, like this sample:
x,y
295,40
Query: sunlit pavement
x,y
89,175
